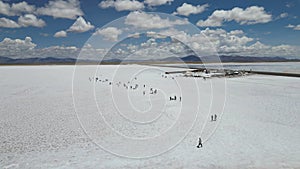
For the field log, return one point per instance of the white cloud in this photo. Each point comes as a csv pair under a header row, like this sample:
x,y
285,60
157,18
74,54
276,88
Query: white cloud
x,y
57,51
60,34
122,5
19,48
22,7
109,33
69,9
24,21
149,43
30,20
236,32
132,48
290,26
25,48
106,4
187,9
80,25
210,41
154,35
232,38
16,8
158,2
89,52
7,23
283,15
248,16
290,4
44,34
143,20
234,42
295,27
25,44
134,35
5,9
16,47
228,43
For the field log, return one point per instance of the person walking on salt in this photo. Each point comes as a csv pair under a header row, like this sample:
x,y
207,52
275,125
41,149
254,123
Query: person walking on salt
x,y
200,143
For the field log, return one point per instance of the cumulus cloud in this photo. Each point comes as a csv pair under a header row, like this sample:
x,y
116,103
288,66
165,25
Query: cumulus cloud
x,y
248,16
86,52
16,47
132,48
109,33
7,23
295,27
186,9
290,26
158,2
16,9
222,37
134,35
80,25
23,21
106,4
60,34
57,51
25,48
69,9
143,20
25,44
234,42
231,43
149,43
283,15
30,20
154,35
122,5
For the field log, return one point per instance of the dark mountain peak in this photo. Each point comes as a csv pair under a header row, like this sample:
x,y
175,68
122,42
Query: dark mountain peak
x,y
191,58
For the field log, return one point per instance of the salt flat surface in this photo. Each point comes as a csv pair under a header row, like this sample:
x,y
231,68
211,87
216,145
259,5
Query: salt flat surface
x,y
286,67
39,125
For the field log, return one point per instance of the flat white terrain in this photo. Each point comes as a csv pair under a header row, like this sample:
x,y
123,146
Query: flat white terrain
x,y
49,120
286,67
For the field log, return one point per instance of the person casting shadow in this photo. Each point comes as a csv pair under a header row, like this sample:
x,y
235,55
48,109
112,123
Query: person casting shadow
x,y
200,143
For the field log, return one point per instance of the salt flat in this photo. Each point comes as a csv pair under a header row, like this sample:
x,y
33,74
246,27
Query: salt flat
x,y
285,67
49,120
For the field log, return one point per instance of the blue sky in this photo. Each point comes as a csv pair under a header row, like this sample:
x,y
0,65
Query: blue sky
x,y
276,27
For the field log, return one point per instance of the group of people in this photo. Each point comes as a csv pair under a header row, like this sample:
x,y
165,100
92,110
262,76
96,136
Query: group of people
x,y
152,91
126,85
97,79
213,117
174,98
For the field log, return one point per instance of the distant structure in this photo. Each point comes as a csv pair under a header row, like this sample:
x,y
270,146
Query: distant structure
x,y
209,73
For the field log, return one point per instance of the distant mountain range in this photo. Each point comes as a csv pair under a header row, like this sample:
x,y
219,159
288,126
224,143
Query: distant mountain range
x,y
48,60
187,59
224,58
